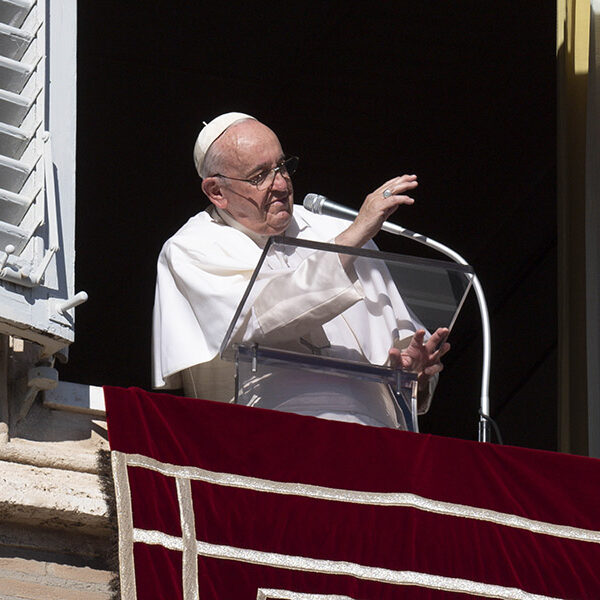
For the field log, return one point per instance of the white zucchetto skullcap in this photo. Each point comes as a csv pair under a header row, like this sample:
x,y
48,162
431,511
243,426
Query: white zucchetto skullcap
x,y
211,132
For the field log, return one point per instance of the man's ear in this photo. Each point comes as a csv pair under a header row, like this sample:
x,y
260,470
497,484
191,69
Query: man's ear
x,y
211,186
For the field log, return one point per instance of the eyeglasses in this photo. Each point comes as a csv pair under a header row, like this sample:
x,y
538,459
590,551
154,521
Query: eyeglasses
x,y
264,180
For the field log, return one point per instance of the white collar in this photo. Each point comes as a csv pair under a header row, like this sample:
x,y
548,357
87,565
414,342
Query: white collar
x,y
259,239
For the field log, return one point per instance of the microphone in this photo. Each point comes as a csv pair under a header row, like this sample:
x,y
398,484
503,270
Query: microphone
x,y
321,205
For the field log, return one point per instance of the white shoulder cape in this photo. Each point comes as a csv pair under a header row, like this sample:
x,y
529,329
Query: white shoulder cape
x,y
202,273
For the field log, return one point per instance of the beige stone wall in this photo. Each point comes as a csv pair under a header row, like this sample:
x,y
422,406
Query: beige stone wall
x,y
54,527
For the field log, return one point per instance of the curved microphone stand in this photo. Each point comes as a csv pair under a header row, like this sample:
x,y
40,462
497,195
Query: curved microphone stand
x,y
321,205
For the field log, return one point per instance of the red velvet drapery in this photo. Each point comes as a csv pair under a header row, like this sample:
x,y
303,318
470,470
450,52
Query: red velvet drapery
x,y
283,506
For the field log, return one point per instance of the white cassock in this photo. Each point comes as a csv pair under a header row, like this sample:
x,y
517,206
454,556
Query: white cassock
x,y
202,274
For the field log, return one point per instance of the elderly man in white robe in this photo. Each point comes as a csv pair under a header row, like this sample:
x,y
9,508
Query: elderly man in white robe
x,y
204,269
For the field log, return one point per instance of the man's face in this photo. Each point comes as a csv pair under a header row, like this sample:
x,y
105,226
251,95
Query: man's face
x,y
249,148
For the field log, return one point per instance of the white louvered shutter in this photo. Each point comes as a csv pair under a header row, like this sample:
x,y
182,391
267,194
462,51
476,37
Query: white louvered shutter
x,y
37,170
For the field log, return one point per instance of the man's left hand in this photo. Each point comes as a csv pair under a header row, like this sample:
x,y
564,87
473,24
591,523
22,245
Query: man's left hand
x,y
422,358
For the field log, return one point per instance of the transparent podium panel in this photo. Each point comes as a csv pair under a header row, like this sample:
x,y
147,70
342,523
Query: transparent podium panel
x,y
313,332
325,387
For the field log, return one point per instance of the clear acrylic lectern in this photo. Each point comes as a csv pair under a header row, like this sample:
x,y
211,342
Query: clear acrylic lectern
x,y
313,330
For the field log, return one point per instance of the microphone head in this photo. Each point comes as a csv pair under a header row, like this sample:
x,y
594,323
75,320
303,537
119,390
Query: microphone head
x,y
313,203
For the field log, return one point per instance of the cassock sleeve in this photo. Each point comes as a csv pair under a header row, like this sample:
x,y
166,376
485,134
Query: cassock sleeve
x,y
287,304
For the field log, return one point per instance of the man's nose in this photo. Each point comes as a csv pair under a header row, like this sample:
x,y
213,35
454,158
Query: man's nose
x,y
280,182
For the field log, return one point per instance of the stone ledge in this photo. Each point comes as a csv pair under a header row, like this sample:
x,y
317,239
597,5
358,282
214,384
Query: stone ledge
x,y
65,456
54,574
52,498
